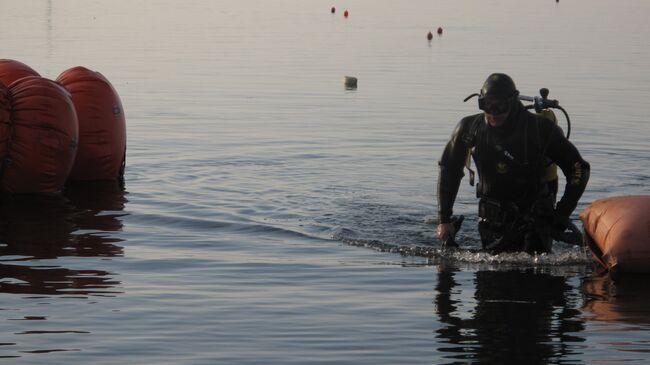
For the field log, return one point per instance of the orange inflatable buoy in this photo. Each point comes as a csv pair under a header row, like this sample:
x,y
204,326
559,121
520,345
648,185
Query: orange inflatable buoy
x,y
11,71
39,142
617,231
102,125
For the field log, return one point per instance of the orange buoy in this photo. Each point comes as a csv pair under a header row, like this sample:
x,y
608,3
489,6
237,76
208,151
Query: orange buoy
x,y
102,125
11,70
346,13
40,144
617,231
333,10
5,122
430,36
439,30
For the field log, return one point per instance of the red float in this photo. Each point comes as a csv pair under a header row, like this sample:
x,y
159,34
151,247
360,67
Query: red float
x,y
11,70
102,125
345,13
40,141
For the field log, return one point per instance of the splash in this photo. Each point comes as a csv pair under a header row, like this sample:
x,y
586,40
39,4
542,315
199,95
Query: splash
x,y
563,255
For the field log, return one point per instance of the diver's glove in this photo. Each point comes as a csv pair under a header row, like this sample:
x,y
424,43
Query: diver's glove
x,y
560,222
450,240
562,229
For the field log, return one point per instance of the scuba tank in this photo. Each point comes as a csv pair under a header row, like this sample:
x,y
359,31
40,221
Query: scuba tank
x,y
550,174
543,106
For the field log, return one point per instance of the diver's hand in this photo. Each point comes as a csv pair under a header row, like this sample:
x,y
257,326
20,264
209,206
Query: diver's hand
x,y
445,231
562,229
560,222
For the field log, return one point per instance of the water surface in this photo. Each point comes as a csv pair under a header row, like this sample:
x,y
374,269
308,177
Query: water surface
x,y
270,216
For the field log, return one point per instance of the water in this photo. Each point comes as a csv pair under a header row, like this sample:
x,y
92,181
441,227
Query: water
x,y
272,217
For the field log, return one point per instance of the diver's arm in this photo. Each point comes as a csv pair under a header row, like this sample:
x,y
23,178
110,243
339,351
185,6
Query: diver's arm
x,y
575,169
450,173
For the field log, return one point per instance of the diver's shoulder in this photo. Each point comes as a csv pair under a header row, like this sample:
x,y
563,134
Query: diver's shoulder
x,y
470,121
542,121
545,121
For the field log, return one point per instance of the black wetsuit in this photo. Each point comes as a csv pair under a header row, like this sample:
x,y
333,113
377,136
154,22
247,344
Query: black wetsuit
x,y
511,162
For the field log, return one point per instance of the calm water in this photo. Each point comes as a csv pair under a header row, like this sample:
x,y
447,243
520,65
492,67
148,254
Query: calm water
x,y
266,206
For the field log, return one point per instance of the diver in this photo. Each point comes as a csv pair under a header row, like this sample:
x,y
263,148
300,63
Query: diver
x,y
511,148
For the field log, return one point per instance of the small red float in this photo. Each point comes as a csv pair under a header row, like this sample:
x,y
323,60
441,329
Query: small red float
x,y
439,30
430,36
345,13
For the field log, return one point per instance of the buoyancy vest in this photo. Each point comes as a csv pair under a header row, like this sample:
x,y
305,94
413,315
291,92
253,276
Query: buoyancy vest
x,y
510,159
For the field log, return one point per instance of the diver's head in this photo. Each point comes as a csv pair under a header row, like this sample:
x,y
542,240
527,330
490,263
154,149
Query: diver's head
x,y
497,98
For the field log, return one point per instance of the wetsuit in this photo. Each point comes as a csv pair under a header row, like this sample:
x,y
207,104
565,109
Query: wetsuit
x,y
516,205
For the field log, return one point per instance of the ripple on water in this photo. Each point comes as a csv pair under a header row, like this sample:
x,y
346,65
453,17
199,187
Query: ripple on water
x,y
563,255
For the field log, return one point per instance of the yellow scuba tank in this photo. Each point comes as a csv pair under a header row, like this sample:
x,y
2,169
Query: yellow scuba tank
x,y
551,170
550,173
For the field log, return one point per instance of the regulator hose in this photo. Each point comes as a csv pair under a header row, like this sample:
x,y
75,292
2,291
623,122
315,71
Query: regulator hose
x,y
543,102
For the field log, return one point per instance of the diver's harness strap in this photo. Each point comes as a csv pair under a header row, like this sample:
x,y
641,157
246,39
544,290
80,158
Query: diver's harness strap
x,y
496,212
470,141
503,217
468,166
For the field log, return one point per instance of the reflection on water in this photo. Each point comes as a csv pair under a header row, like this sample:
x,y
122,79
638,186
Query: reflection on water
x,y
518,316
42,227
40,236
622,301
619,317
44,280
